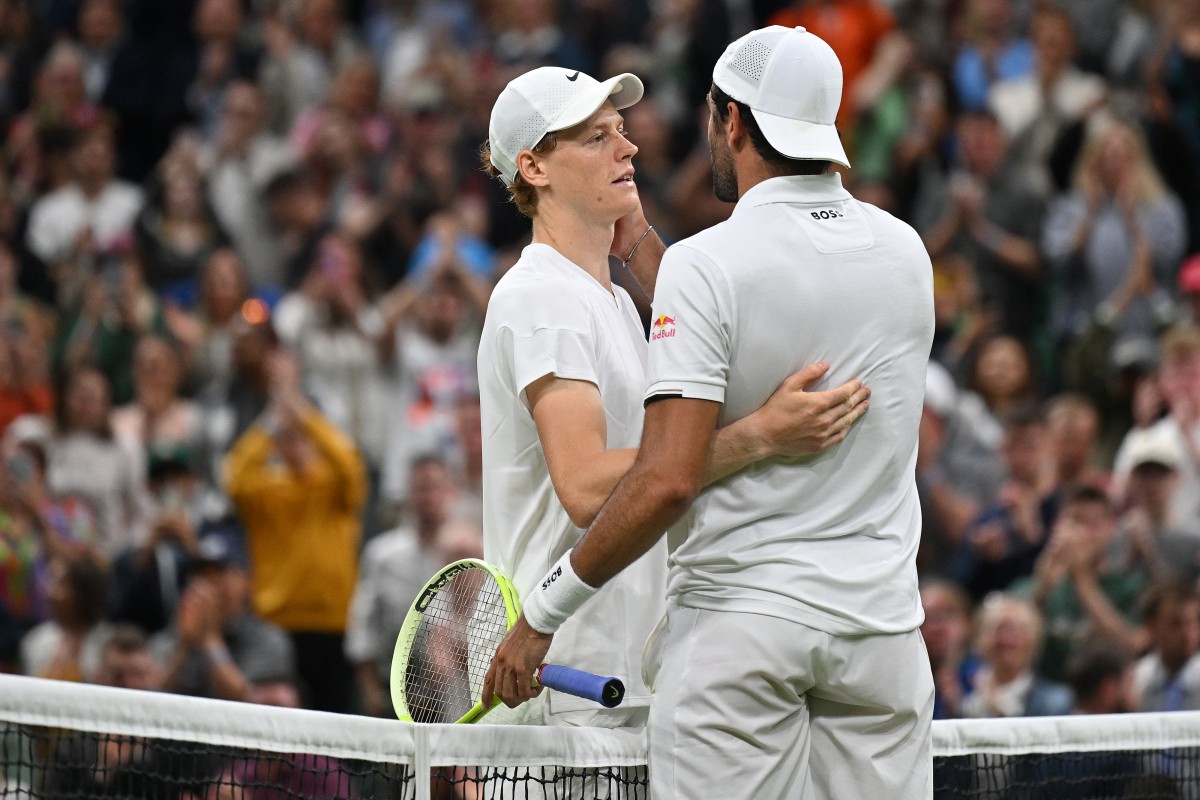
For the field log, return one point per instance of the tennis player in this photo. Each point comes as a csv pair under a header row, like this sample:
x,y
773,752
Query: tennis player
x,y
562,374
789,662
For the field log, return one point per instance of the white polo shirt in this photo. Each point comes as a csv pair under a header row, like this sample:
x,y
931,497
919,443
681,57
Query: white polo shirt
x,y
800,272
547,316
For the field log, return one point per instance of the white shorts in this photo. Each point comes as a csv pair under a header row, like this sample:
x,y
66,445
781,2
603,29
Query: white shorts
x,y
750,706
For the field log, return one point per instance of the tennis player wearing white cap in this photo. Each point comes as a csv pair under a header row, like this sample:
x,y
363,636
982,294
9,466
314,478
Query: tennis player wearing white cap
x,y
562,373
789,663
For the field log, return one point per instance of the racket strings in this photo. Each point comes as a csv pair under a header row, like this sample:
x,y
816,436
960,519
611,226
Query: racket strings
x,y
453,646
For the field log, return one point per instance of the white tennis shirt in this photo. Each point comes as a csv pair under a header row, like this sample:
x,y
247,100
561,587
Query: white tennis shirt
x,y
802,271
547,316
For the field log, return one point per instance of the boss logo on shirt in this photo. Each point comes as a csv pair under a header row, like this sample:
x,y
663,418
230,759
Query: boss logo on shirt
x,y
827,214
553,577
662,328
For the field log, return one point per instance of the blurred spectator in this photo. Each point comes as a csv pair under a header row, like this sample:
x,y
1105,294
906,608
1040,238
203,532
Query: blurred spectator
x,y
126,662
217,646
1001,378
40,138
435,355
158,417
35,527
947,632
206,335
302,56
299,217
150,578
1151,540
177,231
1168,677
1084,594
993,51
1004,543
25,385
84,459
355,93
242,159
101,28
68,645
117,310
230,407
395,566
992,216
1179,380
1177,67
1074,425
1037,109
87,765
223,57
1008,635
71,226
298,485
1100,679
1116,239
530,34
957,473
341,341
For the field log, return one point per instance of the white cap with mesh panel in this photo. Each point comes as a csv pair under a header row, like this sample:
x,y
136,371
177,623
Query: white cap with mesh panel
x,y
545,100
792,81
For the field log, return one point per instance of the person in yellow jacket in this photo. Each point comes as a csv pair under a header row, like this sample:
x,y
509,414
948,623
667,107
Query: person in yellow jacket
x,y
299,485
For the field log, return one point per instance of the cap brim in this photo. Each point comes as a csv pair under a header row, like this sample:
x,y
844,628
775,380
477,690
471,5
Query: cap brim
x,y
797,139
624,90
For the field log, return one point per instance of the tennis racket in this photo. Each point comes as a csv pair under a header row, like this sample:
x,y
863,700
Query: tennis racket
x,y
447,643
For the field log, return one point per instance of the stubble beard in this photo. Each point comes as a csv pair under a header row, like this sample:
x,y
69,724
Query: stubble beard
x,y
724,176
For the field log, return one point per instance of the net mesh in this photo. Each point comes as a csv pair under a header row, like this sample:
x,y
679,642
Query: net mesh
x,y
450,650
60,740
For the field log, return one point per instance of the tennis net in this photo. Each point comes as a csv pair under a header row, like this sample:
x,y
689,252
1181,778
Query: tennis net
x,y
64,740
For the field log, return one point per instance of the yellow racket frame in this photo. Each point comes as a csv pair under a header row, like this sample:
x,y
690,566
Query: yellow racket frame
x,y
412,621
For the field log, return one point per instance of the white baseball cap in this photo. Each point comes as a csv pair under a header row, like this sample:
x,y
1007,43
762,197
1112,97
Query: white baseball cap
x,y
1154,446
792,81
549,99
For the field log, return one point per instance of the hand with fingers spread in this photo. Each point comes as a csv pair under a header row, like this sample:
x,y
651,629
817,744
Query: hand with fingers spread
x,y
796,422
511,675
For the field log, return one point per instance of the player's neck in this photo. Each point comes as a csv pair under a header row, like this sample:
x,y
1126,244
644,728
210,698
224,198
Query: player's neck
x,y
582,242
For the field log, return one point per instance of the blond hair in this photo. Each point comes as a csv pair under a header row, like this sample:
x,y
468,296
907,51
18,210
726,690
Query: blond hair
x,y
522,195
1150,187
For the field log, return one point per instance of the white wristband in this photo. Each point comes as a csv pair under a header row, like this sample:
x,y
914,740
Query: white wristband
x,y
557,597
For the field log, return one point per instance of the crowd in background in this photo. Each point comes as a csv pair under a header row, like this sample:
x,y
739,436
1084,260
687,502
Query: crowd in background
x,y
246,247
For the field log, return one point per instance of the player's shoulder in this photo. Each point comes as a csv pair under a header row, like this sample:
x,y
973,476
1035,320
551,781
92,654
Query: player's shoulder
x,y
894,229
535,292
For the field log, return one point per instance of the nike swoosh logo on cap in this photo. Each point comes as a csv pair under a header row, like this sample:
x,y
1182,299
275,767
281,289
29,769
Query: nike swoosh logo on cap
x,y
573,75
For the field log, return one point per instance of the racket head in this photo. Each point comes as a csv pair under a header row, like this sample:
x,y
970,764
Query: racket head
x,y
447,642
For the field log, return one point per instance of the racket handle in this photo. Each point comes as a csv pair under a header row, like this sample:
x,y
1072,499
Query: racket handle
x,y
608,692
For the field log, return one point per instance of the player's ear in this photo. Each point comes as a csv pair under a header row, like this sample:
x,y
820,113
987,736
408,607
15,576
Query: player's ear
x,y
531,167
734,128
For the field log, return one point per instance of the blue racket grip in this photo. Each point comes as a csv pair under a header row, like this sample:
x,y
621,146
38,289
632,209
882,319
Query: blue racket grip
x,y
608,692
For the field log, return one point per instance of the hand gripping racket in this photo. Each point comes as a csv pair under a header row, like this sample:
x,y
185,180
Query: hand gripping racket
x,y
449,638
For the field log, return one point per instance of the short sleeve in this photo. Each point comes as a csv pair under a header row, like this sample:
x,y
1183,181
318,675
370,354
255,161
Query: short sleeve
x,y
549,332
560,352
690,328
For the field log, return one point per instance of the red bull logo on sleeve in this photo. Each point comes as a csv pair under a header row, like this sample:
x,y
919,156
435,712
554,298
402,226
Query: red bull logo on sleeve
x,y
663,327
